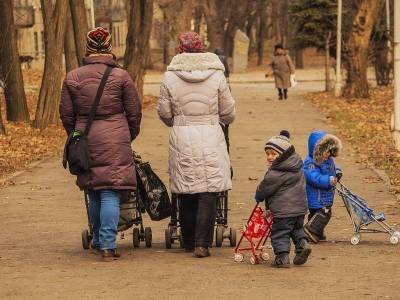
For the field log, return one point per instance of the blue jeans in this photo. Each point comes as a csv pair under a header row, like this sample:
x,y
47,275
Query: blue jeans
x,y
104,217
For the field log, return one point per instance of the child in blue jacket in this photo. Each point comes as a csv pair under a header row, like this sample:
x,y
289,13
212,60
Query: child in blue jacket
x,y
321,177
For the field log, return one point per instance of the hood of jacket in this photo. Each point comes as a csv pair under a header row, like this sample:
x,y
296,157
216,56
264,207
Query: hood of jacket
x,y
320,142
289,161
195,67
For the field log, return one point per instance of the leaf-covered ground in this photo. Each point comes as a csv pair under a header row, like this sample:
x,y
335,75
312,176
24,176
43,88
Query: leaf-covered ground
x,y
23,144
366,125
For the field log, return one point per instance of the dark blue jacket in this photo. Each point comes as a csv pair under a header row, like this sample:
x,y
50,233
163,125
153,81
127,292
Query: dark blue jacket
x,y
320,192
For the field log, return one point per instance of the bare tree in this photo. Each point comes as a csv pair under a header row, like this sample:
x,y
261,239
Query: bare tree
x,y
54,20
262,30
16,106
214,11
177,17
71,58
140,19
80,24
2,128
358,49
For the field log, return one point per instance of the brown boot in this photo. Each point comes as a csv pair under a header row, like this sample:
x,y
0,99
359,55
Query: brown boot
x,y
109,255
201,252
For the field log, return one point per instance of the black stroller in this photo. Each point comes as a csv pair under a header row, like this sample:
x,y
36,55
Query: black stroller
x,y
131,209
151,196
222,231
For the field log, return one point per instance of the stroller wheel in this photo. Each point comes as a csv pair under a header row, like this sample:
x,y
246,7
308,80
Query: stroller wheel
x,y
396,233
232,238
355,239
168,238
394,239
264,256
238,257
254,260
136,237
86,239
148,237
219,235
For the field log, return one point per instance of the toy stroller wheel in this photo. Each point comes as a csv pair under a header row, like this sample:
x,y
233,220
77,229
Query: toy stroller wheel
x,y
148,237
394,239
168,239
396,233
238,257
355,239
219,235
136,237
264,256
254,260
86,239
232,238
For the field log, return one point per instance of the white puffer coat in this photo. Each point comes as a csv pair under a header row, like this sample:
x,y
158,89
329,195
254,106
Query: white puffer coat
x,y
194,99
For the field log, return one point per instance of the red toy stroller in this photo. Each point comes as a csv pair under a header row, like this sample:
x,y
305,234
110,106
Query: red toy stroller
x,y
257,231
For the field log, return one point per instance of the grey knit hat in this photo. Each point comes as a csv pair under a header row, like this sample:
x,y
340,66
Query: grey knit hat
x,y
279,143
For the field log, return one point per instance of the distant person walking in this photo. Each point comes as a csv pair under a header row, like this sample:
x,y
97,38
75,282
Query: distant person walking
x,y
194,99
224,61
115,126
282,68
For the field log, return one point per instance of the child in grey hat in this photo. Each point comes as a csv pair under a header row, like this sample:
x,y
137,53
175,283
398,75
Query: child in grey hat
x,y
284,191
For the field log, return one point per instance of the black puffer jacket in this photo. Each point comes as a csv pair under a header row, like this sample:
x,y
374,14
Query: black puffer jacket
x,y
284,186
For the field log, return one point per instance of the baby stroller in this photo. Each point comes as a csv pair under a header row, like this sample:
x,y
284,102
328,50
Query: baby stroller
x,y
362,216
256,231
131,209
222,231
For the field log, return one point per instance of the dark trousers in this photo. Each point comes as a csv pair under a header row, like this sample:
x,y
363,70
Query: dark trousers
x,y
282,93
197,217
284,229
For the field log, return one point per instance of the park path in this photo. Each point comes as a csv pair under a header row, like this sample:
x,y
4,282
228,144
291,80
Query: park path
x,y
42,216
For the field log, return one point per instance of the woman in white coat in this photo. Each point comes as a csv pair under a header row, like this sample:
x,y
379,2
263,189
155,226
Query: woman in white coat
x,y
194,99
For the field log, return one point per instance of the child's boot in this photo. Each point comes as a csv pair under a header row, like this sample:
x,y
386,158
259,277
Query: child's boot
x,y
281,260
303,251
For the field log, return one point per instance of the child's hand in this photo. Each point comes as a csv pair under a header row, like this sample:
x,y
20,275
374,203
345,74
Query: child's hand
x,y
333,180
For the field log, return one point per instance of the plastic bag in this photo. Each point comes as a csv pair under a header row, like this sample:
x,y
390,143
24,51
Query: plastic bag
x,y
152,191
293,80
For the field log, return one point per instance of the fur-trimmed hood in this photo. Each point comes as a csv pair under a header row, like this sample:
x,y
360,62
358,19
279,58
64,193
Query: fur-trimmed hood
x,y
189,62
319,142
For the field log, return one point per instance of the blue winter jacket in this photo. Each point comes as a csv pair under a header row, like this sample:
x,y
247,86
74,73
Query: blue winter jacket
x,y
320,192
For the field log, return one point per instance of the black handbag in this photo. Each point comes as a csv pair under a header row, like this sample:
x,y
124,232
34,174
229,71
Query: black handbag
x,y
152,191
76,149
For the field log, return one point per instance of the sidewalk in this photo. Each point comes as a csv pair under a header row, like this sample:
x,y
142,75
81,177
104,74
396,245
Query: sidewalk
x,y
42,216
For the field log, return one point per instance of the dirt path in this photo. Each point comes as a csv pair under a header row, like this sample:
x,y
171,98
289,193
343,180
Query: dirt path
x,y
43,214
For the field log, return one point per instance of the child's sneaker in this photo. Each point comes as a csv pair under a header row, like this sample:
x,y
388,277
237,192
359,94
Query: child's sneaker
x,y
303,251
281,260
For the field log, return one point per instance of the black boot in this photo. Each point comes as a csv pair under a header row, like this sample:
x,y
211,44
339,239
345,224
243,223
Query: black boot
x,y
303,250
281,260
285,94
280,94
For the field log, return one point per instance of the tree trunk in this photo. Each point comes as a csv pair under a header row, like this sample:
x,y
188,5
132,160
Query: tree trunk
x,y
177,16
54,20
214,13
16,106
2,128
262,31
71,59
327,62
357,49
137,41
81,28
198,16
